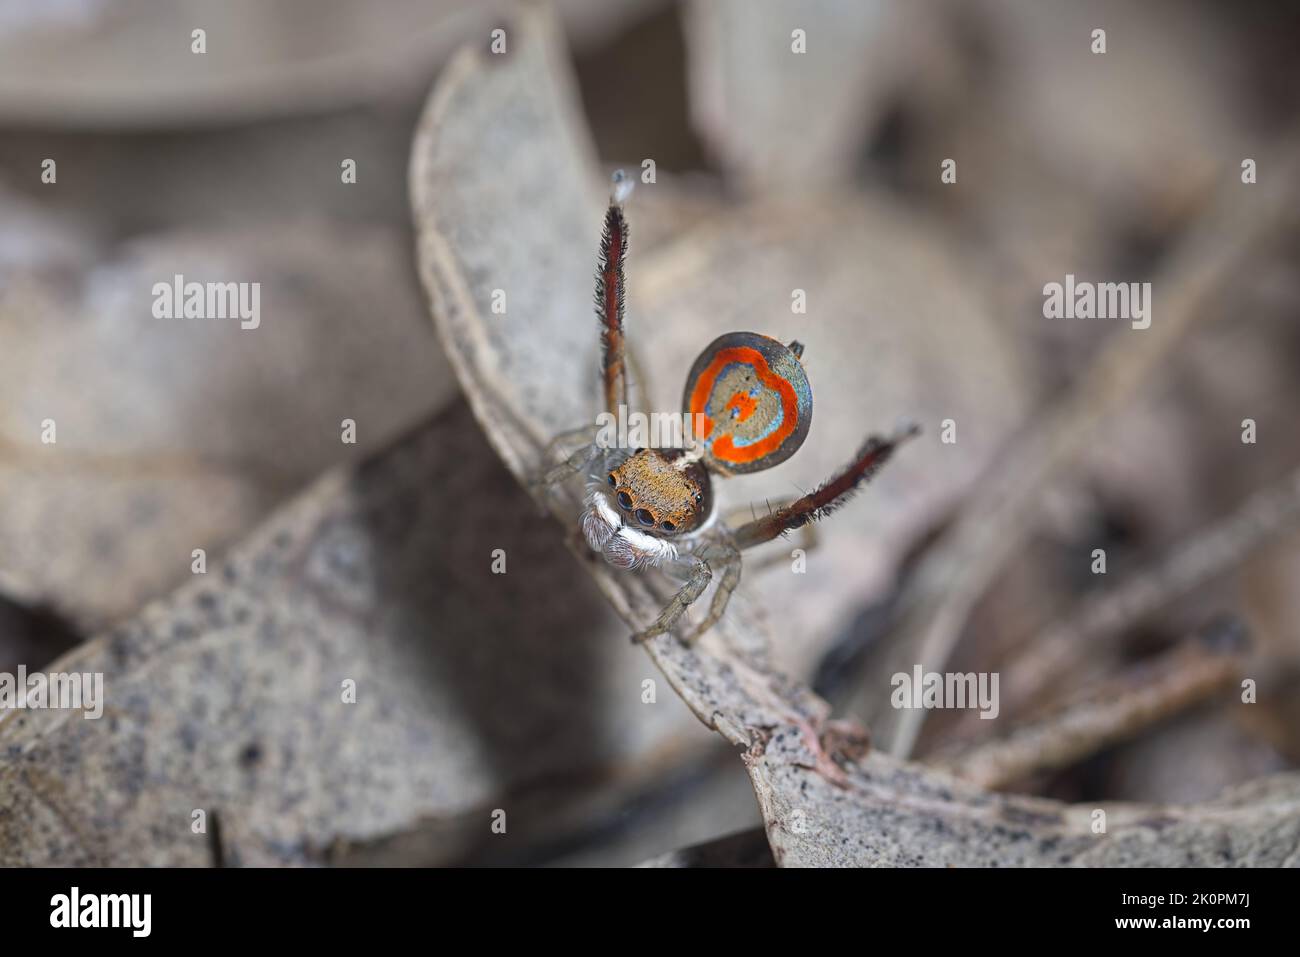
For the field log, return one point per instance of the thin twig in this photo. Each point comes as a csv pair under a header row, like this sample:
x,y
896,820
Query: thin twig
x,y
1000,516
1102,620
1115,710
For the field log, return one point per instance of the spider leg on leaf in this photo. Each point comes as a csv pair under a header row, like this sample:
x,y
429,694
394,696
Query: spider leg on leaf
x,y
725,556
700,576
828,496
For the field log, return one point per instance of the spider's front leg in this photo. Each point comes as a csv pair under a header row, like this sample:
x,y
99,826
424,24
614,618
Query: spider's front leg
x,y
725,556
610,305
701,575
610,294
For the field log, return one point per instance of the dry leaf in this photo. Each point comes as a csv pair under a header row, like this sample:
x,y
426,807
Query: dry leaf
x,y
176,434
228,696
503,189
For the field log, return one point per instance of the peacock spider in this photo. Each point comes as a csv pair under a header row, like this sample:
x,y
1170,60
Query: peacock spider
x,y
654,507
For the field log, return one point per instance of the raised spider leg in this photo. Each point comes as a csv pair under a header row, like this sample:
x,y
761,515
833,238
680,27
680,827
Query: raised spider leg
x,y
610,296
610,300
829,495
809,539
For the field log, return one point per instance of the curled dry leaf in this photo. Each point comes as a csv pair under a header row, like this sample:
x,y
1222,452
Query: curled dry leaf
x,y
505,194
229,695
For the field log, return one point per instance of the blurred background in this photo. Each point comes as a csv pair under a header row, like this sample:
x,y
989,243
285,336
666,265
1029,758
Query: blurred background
x,y
926,302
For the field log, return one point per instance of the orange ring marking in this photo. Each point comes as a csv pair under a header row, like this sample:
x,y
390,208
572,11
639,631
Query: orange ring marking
x,y
724,448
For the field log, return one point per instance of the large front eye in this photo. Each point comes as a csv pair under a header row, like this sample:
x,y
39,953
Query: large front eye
x,y
644,517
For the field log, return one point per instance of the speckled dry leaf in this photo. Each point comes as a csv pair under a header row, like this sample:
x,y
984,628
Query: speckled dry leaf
x,y
899,814
178,434
473,690
506,196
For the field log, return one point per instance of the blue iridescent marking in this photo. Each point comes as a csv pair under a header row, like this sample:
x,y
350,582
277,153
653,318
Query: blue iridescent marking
x,y
754,393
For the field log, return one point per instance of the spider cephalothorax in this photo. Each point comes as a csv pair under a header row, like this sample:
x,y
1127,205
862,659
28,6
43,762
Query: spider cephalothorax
x,y
666,491
749,403
647,500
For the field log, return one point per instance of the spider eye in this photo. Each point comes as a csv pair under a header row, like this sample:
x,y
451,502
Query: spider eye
x,y
669,527
698,498
624,499
612,481
644,517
